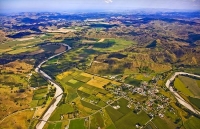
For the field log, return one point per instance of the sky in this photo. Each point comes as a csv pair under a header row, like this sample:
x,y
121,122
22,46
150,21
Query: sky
x,y
76,5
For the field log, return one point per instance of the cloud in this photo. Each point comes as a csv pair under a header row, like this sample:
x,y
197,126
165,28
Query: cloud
x,y
108,1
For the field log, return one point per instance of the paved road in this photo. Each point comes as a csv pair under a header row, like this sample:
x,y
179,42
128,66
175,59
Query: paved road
x,y
58,95
178,97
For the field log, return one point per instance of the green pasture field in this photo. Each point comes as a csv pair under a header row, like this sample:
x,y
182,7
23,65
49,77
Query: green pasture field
x,y
61,110
85,90
38,96
55,126
114,114
89,105
41,90
65,79
112,126
193,70
41,102
180,86
93,89
191,84
131,119
34,103
36,81
69,88
160,123
150,125
119,44
74,83
71,94
101,103
82,78
89,89
173,116
97,121
77,124
195,101
192,123
123,106
132,81
83,94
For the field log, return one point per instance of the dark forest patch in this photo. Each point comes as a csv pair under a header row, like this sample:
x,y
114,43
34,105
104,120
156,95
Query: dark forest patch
x,y
20,34
117,55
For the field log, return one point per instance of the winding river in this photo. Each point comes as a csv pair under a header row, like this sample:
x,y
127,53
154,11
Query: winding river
x,y
178,97
58,94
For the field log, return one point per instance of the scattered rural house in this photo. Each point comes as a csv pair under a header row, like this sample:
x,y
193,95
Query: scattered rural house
x,y
161,115
116,107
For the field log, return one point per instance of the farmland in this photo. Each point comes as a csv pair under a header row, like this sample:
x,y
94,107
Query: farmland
x,y
160,123
97,121
113,77
131,120
181,87
192,123
40,96
192,84
77,124
195,101
86,94
189,87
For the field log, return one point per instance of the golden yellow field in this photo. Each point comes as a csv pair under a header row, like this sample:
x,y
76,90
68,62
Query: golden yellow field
x,y
18,67
98,83
19,120
62,75
100,79
12,101
160,67
84,110
116,83
86,75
